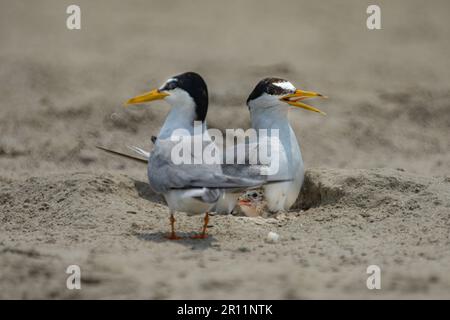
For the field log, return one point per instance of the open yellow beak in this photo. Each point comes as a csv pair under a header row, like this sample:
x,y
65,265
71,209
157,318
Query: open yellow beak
x,y
294,100
147,97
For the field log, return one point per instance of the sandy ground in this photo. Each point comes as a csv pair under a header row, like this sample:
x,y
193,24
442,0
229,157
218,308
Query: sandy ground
x,y
378,181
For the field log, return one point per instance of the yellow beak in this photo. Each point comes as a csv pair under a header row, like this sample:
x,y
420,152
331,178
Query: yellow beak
x,y
147,97
294,100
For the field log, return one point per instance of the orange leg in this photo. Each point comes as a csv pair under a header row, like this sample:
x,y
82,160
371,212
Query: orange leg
x,y
203,234
172,235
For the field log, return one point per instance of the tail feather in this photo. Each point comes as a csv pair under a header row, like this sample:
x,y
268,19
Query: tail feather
x,y
123,155
140,151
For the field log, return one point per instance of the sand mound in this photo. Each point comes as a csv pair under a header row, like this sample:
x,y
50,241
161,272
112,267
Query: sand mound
x,y
113,227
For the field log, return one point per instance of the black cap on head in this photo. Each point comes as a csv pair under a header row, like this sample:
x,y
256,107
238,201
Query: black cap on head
x,y
268,86
193,84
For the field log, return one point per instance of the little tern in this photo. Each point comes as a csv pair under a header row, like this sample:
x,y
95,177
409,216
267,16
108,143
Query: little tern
x,y
252,203
269,104
191,188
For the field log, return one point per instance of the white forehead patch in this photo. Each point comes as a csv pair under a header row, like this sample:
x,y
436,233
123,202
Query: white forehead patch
x,y
286,85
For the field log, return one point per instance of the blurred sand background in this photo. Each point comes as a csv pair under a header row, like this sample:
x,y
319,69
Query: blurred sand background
x,y
382,195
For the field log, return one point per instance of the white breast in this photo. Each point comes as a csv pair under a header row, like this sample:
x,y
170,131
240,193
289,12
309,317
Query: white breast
x,y
178,200
281,196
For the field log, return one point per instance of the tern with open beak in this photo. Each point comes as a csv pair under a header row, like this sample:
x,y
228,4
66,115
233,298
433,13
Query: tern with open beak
x,y
269,105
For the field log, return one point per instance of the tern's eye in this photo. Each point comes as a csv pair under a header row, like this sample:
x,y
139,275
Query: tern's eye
x,y
254,195
169,86
276,90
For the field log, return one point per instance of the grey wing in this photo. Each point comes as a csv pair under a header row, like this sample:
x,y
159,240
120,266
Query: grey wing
x,y
243,170
164,175
242,160
244,152
205,176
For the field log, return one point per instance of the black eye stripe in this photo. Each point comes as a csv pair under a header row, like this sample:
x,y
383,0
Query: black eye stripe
x,y
170,85
276,90
268,86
